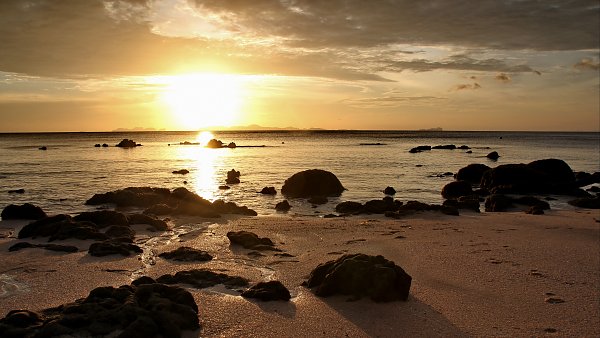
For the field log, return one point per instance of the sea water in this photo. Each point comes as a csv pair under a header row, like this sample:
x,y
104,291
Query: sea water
x,y
71,170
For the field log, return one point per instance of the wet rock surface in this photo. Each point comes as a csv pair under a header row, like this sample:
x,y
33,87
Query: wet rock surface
x,y
187,254
314,182
268,291
250,240
202,278
361,275
144,310
113,247
23,211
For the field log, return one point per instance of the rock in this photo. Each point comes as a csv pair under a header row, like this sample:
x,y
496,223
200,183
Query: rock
x,y
446,147
554,170
498,203
317,200
472,173
187,254
224,187
181,172
532,202
586,202
17,191
232,208
127,143
97,145
104,145
582,178
463,202
419,149
102,218
457,189
251,241
463,147
268,191
43,148
468,152
214,143
380,206
202,278
361,275
155,223
111,247
594,188
159,209
313,182
349,207
493,156
283,206
51,247
233,177
535,210
231,145
121,233
134,197
24,211
389,191
61,227
268,291
144,310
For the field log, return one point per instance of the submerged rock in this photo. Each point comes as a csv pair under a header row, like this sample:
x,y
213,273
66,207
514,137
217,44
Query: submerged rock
x,y
187,254
361,275
268,291
24,211
419,149
17,191
314,182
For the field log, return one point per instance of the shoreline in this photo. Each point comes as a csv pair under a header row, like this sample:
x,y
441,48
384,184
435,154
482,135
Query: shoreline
x,y
488,274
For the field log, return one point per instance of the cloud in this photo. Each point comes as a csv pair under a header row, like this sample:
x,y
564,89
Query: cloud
x,y
390,100
455,62
469,86
587,64
502,77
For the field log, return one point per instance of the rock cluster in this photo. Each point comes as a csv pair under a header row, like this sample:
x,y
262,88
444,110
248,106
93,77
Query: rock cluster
x,y
162,201
361,275
127,143
143,310
314,182
391,208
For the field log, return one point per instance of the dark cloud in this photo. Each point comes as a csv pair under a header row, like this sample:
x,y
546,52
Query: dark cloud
x,y
456,62
502,77
497,24
587,64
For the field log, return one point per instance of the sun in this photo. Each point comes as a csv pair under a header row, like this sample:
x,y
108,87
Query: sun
x,y
204,100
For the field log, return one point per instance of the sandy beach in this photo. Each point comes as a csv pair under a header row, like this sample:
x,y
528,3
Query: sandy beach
x,y
489,274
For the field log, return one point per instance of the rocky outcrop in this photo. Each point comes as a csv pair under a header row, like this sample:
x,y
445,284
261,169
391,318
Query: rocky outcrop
x,y
233,177
61,227
419,149
268,291
187,254
127,143
102,218
251,241
314,182
472,173
445,147
214,143
349,207
457,189
144,310
24,211
586,202
389,191
268,191
361,275
283,206
494,156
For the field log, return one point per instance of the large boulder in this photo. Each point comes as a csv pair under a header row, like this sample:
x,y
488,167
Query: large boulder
x,y
472,173
554,170
457,189
361,275
127,143
268,291
60,227
24,211
314,182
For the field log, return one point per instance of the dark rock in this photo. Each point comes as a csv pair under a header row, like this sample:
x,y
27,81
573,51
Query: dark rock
x,y
532,202
159,209
535,210
233,177
472,173
143,280
463,147
112,247
594,188
449,210
283,206
588,203
419,149
214,143
51,247
231,145
181,172
127,143
457,189
349,207
493,156
389,191
187,254
446,147
314,182
232,208
43,148
468,152
224,187
554,170
464,202
121,232
155,223
102,218
317,200
97,145
17,191
268,291
251,241
21,319
104,145
498,203
268,191
380,206
582,178
202,278
361,275
134,197
24,211
61,227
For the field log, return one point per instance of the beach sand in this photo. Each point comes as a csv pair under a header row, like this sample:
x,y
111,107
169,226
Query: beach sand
x,y
490,274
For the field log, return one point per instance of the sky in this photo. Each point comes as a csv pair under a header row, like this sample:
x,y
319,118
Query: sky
x,y
94,65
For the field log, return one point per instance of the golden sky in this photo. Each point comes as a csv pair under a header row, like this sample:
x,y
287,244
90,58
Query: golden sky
x,y
72,65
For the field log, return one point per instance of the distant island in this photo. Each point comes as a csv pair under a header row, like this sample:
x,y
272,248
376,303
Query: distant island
x,y
432,129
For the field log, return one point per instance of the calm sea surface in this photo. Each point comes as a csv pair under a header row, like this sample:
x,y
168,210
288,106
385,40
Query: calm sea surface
x,y
63,177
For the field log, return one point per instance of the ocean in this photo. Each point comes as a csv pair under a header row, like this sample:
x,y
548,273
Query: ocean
x,y
71,170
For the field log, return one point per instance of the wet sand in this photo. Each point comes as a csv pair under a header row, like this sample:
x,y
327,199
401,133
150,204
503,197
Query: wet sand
x,y
490,274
